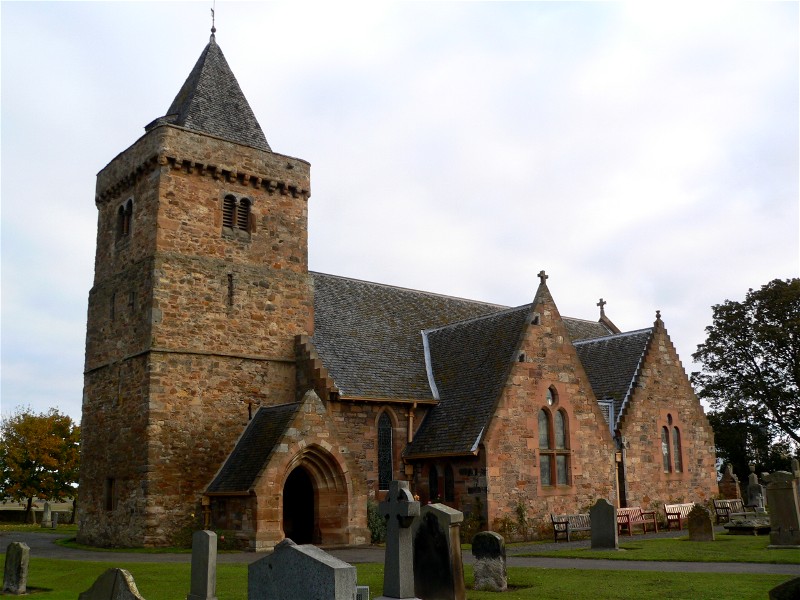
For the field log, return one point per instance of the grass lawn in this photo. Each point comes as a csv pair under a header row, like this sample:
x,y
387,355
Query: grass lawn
x,y
726,548
65,579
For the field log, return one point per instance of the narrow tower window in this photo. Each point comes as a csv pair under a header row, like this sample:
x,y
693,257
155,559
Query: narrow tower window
x,y
243,215
384,452
228,211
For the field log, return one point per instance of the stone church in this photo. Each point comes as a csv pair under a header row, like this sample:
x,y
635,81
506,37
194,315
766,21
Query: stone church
x,y
226,382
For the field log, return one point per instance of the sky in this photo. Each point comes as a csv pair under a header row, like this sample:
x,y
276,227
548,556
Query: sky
x,y
645,153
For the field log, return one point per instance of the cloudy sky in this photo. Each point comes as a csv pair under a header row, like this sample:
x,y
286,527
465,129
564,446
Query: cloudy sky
x,y
644,153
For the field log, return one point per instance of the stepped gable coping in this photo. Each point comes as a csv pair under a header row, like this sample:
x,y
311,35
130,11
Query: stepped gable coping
x,y
469,363
211,101
612,364
253,449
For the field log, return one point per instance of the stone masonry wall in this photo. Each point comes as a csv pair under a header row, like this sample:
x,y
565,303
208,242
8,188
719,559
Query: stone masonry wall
x,y
512,442
664,391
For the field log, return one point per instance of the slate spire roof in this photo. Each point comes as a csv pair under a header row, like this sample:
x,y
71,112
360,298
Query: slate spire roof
x,y
212,102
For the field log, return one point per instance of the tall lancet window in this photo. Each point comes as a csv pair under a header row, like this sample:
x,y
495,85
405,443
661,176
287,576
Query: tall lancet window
x,y
384,451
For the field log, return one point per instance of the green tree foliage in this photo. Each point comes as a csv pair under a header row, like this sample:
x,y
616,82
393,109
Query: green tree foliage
x,y
39,456
751,375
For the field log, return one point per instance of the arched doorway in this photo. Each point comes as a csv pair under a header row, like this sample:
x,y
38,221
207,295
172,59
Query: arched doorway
x,y
298,507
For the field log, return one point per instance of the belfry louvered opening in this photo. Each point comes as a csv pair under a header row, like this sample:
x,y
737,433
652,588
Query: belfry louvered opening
x,y
236,214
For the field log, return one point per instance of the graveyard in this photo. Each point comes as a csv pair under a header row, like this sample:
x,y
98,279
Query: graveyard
x,y
424,558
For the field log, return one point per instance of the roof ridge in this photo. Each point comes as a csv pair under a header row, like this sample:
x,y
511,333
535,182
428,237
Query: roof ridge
x,y
479,318
407,289
612,336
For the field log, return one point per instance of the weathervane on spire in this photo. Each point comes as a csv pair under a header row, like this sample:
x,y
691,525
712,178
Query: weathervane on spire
x,y
213,28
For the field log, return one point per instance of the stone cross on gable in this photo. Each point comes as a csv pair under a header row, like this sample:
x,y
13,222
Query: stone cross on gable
x,y
602,304
399,509
543,276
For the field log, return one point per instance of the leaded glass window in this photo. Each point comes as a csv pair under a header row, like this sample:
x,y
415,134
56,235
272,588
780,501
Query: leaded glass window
x,y
676,449
384,451
665,459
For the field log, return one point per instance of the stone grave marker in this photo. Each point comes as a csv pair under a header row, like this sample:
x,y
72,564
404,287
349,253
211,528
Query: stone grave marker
x,y
47,516
603,516
701,529
399,510
489,550
729,484
55,519
204,566
114,584
755,491
292,572
438,569
788,590
15,580
784,510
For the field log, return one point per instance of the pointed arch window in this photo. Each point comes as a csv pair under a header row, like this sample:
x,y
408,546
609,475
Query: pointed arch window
x,y
433,484
554,452
124,218
676,450
665,457
384,451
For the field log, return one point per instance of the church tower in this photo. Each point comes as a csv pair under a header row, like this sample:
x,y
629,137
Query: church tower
x,y
201,286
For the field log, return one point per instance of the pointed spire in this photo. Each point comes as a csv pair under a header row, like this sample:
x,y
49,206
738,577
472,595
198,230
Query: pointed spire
x,y
212,102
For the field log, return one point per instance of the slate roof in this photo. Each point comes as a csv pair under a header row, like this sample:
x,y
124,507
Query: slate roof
x,y
612,364
239,472
469,363
212,102
368,335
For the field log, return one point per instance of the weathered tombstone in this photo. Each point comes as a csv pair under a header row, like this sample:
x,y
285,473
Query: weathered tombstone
x,y
755,491
15,580
55,520
204,566
47,516
293,572
701,529
729,484
788,590
603,516
438,569
114,584
784,510
489,550
399,510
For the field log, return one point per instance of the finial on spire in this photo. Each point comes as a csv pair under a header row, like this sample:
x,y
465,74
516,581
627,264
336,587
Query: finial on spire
x,y
658,315
542,276
213,27
602,304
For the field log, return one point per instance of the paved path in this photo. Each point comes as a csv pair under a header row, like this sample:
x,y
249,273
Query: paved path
x,y
43,545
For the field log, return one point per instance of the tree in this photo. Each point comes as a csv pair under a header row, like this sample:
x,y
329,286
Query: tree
x,y
751,372
39,456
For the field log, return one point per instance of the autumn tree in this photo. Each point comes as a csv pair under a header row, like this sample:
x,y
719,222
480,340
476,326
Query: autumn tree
x,y
751,374
39,456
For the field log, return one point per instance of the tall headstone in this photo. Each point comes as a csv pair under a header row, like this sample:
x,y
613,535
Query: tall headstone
x,y
114,584
701,529
603,516
729,484
399,510
15,580
204,566
784,510
438,568
47,516
489,550
788,590
292,572
755,491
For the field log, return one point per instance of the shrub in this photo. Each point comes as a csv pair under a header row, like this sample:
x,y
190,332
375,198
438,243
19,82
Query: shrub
x,y
376,523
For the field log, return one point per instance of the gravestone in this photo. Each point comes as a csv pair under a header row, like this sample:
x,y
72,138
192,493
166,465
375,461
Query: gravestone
x,y
729,484
701,529
784,510
47,516
292,572
438,569
114,584
788,590
489,550
15,580
603,516
55,520
755,491
399,510
204,566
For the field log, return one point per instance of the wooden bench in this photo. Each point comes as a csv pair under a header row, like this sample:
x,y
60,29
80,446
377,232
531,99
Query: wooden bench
x,y
677,513
630,517
725,508
565,525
